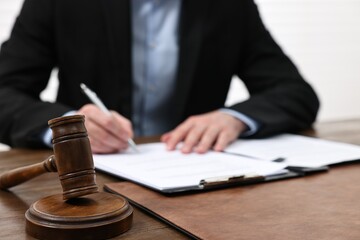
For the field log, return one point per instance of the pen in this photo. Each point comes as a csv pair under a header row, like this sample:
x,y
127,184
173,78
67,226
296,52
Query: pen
x,y
96,100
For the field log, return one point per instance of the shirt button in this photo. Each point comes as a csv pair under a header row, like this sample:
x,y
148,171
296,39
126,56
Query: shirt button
x,y
153,45
151,88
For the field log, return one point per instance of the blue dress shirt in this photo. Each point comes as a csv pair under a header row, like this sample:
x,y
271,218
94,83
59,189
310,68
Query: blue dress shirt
x,y
155,50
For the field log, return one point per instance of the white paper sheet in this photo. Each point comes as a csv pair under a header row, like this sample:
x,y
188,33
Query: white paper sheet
x,y
298,151
164,170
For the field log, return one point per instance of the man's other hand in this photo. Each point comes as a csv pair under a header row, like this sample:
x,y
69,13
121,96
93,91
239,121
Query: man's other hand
x,y
214,130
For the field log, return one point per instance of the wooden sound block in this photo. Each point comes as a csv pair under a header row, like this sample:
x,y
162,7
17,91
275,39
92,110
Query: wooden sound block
x,y
96,216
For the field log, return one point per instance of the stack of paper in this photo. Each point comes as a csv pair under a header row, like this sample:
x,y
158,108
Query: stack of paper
x,y
297,151
172,171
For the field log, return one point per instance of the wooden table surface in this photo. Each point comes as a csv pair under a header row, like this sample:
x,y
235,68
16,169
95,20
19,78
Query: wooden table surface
x,y
15,202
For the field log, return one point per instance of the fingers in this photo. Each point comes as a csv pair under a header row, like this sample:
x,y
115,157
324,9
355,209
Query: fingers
x,y
101,140
193,137
208,139
107,133
177,135
215,130
224,139
126,126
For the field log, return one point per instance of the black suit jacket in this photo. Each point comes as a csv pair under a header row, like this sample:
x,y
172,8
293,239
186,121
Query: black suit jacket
x,y
90,41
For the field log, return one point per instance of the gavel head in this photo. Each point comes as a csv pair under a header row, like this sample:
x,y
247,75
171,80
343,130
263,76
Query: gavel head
x,y
73,156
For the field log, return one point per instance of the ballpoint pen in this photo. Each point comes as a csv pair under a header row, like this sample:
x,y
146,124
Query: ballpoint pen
x,y
96,100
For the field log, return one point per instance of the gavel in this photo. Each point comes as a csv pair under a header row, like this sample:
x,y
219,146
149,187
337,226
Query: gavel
x,y
81,211
72,160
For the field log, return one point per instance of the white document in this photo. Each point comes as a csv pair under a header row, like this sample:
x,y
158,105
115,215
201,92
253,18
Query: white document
x,y
298,151
171,171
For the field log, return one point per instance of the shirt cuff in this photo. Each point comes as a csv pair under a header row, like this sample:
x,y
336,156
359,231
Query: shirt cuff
x,y
46,136
253,126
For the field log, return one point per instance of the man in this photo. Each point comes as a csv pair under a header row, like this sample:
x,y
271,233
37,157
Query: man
x,y
161,66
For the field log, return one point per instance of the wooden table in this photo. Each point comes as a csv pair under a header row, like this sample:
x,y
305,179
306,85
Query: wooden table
x,y
15,202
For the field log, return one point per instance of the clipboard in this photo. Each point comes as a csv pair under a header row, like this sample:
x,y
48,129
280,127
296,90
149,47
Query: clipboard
x,y
173,172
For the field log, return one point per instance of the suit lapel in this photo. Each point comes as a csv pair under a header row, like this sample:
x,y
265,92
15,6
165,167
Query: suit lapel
x,y
118,23
191,31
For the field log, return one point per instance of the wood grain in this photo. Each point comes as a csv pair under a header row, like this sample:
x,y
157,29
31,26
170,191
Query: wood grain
x,y
16,201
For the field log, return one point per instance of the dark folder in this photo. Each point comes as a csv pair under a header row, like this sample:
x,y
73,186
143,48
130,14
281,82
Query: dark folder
x,y
299,208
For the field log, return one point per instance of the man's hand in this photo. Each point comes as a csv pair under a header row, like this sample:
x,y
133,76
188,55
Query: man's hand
x,y
200,133
108,133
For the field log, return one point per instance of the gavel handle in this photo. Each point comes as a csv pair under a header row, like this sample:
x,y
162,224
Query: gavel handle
x,y
14,177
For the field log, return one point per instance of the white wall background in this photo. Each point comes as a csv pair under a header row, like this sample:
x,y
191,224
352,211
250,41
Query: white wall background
x,y
322,37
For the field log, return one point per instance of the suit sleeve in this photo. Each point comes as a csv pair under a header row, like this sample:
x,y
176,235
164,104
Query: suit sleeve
x,y
26,61
280,99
